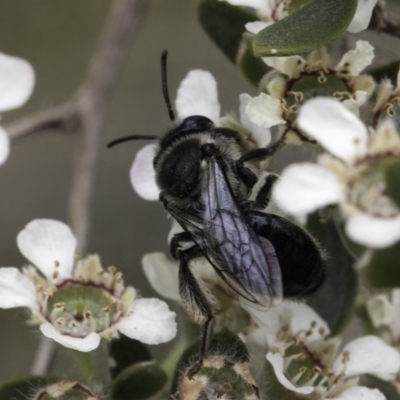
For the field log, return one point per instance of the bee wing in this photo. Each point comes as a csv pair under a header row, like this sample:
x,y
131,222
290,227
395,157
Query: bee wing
x,y
245,261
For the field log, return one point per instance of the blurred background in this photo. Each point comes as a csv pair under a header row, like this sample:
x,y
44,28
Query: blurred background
x,y
58,38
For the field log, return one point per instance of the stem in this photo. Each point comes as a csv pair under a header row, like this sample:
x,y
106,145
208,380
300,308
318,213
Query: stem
x,y
86,112
86,366
43,357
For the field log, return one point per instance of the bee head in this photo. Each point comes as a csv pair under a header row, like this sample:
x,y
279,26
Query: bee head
x,y
178,170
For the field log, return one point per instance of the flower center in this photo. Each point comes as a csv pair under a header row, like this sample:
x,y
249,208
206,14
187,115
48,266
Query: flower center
x,y
313,82
368,191
78,309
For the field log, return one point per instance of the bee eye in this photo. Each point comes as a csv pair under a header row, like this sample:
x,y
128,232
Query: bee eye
x,y
178,174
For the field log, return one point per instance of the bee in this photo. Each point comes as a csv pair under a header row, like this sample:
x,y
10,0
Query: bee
x,y
206,174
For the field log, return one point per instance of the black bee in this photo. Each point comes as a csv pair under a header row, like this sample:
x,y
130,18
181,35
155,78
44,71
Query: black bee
x,y
205,175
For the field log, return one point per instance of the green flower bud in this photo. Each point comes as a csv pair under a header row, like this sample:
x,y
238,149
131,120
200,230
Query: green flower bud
x,y
66,391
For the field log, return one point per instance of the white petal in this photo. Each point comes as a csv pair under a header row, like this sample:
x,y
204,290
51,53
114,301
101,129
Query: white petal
x,y
357,59
368,355
360,393
260,5
286,65
4,146
17,79
277,363
143,175
381,310
198,95
49,245
334,127
257,26
353,104
298,316
373,231
88,343
162,274
265,110
151,322
16,289
305,187
260,135
362,16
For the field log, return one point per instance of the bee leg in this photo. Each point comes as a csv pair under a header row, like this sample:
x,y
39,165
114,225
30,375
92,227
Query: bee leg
x,y
248,177
197,301
177,240
262,154
264,194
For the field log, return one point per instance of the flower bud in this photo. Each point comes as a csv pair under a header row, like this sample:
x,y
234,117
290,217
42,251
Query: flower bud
x,y
66,391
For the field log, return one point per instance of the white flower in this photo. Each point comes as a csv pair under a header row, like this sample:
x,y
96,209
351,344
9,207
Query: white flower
x,y
384,310
197,95
352,177
306,362
162,273
270,11
289,90
17,79
77,305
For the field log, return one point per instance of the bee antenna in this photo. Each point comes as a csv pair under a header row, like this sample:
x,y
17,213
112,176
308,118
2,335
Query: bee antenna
x,y
128,138
165,85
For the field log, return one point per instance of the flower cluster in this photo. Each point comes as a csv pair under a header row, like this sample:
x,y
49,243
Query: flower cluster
x,y
351,175
307,362
300,79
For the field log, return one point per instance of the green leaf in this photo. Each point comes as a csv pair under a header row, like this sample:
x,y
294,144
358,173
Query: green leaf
x,y
124,352
252,68
391,170
383,269
312,26
139,381
387,388
334,301
224,23
389,71
25,388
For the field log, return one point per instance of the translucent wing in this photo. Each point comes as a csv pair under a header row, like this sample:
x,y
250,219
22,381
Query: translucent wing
x,y
247,262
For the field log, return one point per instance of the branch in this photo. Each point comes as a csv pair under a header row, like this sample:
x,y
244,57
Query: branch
x,y
92,100
85,113
382,21
61,117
